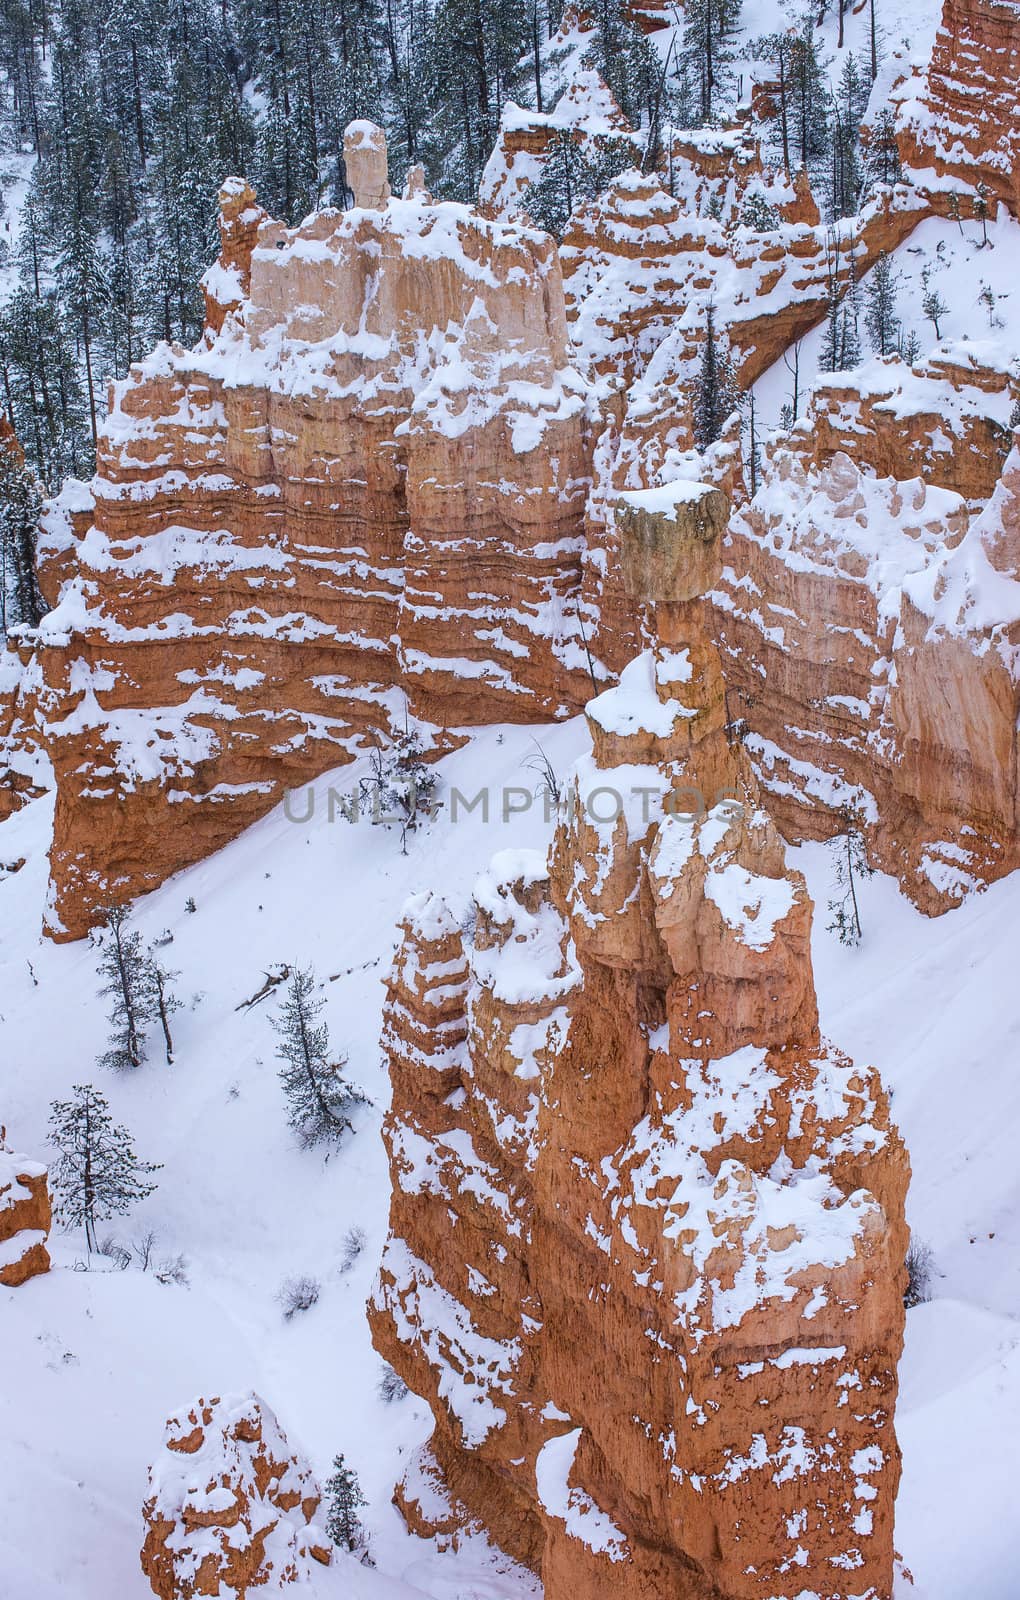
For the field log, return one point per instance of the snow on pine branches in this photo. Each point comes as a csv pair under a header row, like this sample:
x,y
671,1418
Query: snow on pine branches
x,y
319,1096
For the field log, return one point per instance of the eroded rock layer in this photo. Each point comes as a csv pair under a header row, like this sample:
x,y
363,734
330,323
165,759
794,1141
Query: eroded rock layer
x,y
370,475
647,1237
390,472
960,129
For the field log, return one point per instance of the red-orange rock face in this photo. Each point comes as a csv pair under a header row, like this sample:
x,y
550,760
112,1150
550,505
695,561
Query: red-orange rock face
x,y
869,640
231,1509
647,1228
370,474
25,1217
960,128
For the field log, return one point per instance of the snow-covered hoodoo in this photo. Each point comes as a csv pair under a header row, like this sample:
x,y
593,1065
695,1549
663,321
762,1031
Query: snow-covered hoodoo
x,y
647,1234
370,473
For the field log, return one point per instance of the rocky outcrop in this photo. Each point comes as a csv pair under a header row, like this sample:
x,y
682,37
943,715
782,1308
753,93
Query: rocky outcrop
x,y
869,644
368,477
946,420
957,125
231,1509
647,1238
23,766
25,1216
641,266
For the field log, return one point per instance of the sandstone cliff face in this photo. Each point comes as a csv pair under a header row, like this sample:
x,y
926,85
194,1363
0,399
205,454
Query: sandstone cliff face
x,y
647,1228
860,688
959,128
25,1216
371,473
231,1510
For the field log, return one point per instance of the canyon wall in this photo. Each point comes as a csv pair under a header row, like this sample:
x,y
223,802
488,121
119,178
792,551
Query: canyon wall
x,y
647,1237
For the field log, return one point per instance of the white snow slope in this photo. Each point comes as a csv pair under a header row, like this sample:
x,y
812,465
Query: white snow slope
x,y
93,1361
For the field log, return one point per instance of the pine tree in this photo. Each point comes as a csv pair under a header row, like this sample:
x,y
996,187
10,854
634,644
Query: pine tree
x,y
345,1499
21,497
318,1095
570,175
932,303
629,64
880,318
706,56
124,965
883,151
980,209
850,338
716,395
829,359
848,108
97,1174
803,99
160,1001
401,786
850,862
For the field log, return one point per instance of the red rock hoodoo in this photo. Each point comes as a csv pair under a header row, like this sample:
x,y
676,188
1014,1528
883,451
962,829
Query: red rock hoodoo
x,y
231,1509
647,1236
370,474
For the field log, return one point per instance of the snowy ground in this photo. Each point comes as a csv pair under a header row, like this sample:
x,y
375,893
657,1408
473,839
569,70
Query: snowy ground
x,y
962,267
94,1361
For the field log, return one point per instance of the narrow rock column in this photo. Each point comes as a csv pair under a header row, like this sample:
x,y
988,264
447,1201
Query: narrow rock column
x,y
367,165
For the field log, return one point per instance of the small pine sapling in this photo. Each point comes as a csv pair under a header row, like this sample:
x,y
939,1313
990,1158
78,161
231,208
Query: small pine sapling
x,y
920,1265
932,303
910,347
318,1095
980,208
97,1174
391,1386
990,303
758,213
343,1493
298,1294
161,1003
850,863
123,964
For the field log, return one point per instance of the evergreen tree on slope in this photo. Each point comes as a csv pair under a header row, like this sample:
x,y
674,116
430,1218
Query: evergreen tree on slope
x,y
318,1095
97,1174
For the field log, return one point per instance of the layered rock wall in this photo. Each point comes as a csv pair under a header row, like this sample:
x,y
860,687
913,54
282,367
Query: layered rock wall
x,y
959,128
369,476
647,1239
870,649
